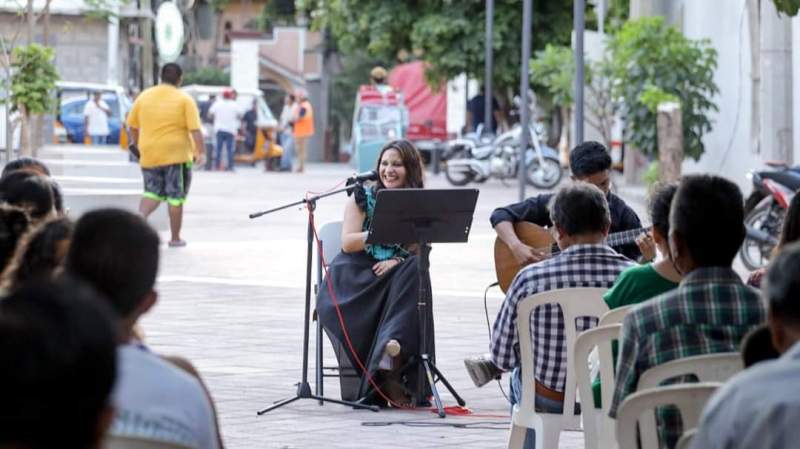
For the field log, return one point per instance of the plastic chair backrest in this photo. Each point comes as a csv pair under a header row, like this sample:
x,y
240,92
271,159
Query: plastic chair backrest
x,y
689,398
574,302
331,236
130,442
598,427
717,367
686,439
614,316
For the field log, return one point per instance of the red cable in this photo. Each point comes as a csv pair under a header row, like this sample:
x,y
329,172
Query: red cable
x,y
454,410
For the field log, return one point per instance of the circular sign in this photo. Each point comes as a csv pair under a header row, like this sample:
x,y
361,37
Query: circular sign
x,y
169,32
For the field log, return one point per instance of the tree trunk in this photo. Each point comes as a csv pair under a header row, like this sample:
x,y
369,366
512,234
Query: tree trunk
x,y
776,139
566,136
25,133
46,24
670,142
31,21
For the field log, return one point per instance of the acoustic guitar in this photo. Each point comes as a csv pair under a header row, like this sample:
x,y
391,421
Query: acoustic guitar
x,y
541,239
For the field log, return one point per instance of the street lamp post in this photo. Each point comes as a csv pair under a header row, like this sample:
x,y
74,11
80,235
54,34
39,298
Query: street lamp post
x,y
579,26
487,82
527,12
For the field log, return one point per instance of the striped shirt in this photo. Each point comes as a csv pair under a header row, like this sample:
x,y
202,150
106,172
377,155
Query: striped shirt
x,y
577,266
709,312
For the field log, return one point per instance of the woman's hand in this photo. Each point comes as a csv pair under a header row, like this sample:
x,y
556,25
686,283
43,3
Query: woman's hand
x,y
383,266
647,246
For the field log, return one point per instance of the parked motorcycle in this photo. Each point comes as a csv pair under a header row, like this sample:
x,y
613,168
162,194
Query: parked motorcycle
x,y
765,209
474,159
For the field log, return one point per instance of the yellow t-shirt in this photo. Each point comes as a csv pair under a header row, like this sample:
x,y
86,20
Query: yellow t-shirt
x,y
164,116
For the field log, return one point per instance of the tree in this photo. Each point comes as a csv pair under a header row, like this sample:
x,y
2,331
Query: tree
x,y
789,7
648,55
34,78
448,35
210,76
554,70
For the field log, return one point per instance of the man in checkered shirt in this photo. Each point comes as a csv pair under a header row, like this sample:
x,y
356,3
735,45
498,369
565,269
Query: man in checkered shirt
x,y
709,312
581,222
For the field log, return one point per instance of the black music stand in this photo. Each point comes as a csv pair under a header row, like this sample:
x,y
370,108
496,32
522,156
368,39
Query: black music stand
x,y
424,216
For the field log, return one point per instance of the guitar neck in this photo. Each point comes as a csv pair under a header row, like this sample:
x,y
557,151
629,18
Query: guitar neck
x,y
624,237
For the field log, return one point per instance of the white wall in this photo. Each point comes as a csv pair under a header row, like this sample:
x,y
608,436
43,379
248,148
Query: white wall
x,y
244,64
728,150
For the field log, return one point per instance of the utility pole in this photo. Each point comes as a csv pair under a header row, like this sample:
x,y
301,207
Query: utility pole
x,y
776,140
146,27
488,96
524,85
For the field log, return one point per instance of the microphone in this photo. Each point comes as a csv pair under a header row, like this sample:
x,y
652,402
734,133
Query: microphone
x,y
371,175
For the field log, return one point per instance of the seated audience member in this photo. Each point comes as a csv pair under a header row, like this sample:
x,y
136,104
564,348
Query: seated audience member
x,y
710,311
36,166
30,191
581,219
642,282
757,346
39,254
790,232
58,359
116,252
590,162
760,407
14,224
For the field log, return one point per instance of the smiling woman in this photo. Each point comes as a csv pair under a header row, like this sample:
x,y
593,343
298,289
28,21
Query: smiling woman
x,y
375,288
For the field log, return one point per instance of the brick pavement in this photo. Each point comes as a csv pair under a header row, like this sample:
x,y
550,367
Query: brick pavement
x,y
232,302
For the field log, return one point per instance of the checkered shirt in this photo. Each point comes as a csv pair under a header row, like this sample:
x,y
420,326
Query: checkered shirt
x,y
577,266
709,312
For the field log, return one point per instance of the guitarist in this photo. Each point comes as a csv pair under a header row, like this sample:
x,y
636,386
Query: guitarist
x,y
591,163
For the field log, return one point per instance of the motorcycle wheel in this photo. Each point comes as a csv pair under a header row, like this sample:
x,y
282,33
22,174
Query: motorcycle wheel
x,y
457,178
752,201
543,176
768,218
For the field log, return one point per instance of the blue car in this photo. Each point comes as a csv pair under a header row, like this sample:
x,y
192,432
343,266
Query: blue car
x,y
72,99
72,119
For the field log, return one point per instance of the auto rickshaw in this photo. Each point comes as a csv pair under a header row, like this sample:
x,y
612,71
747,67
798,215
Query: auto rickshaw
x,y
380,116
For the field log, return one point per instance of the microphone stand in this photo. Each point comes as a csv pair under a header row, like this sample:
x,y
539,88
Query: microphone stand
x,y
303,388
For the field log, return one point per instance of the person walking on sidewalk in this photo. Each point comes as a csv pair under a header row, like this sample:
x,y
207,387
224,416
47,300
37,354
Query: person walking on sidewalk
x,y
95,119
162,120
303,119
227,116
286,137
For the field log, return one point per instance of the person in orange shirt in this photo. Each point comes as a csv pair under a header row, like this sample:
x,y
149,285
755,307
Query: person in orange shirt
x,y
166,137
303,119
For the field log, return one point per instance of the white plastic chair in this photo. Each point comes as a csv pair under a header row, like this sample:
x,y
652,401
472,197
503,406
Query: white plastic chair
x,y
615,316
131,442
689,398
330,236
574,302
686,439
598,427
707,368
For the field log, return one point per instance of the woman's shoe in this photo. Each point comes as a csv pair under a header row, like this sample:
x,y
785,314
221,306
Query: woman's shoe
x,y
390,353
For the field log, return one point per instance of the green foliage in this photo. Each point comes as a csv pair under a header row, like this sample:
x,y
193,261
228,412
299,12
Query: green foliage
x,y
447,34
102,9
789,7
649,55
220,5
34,78
653,96
554,69
277,12
210,76
650,176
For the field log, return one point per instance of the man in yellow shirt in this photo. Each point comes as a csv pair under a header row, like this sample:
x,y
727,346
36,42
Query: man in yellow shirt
x,y
165,132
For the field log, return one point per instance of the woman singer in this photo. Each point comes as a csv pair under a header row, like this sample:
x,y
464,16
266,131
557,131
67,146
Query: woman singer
x,y
376,288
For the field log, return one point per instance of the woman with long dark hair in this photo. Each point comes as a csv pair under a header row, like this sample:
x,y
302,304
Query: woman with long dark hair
x,y
376,288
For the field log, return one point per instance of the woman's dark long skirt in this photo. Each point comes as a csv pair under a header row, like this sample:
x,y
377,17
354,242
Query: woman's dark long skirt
x,y
375,310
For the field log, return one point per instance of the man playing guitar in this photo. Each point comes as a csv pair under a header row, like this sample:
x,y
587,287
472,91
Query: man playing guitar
x,y
591,163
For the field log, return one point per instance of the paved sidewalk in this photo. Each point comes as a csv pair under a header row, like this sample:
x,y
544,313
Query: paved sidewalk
x,y
232,301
